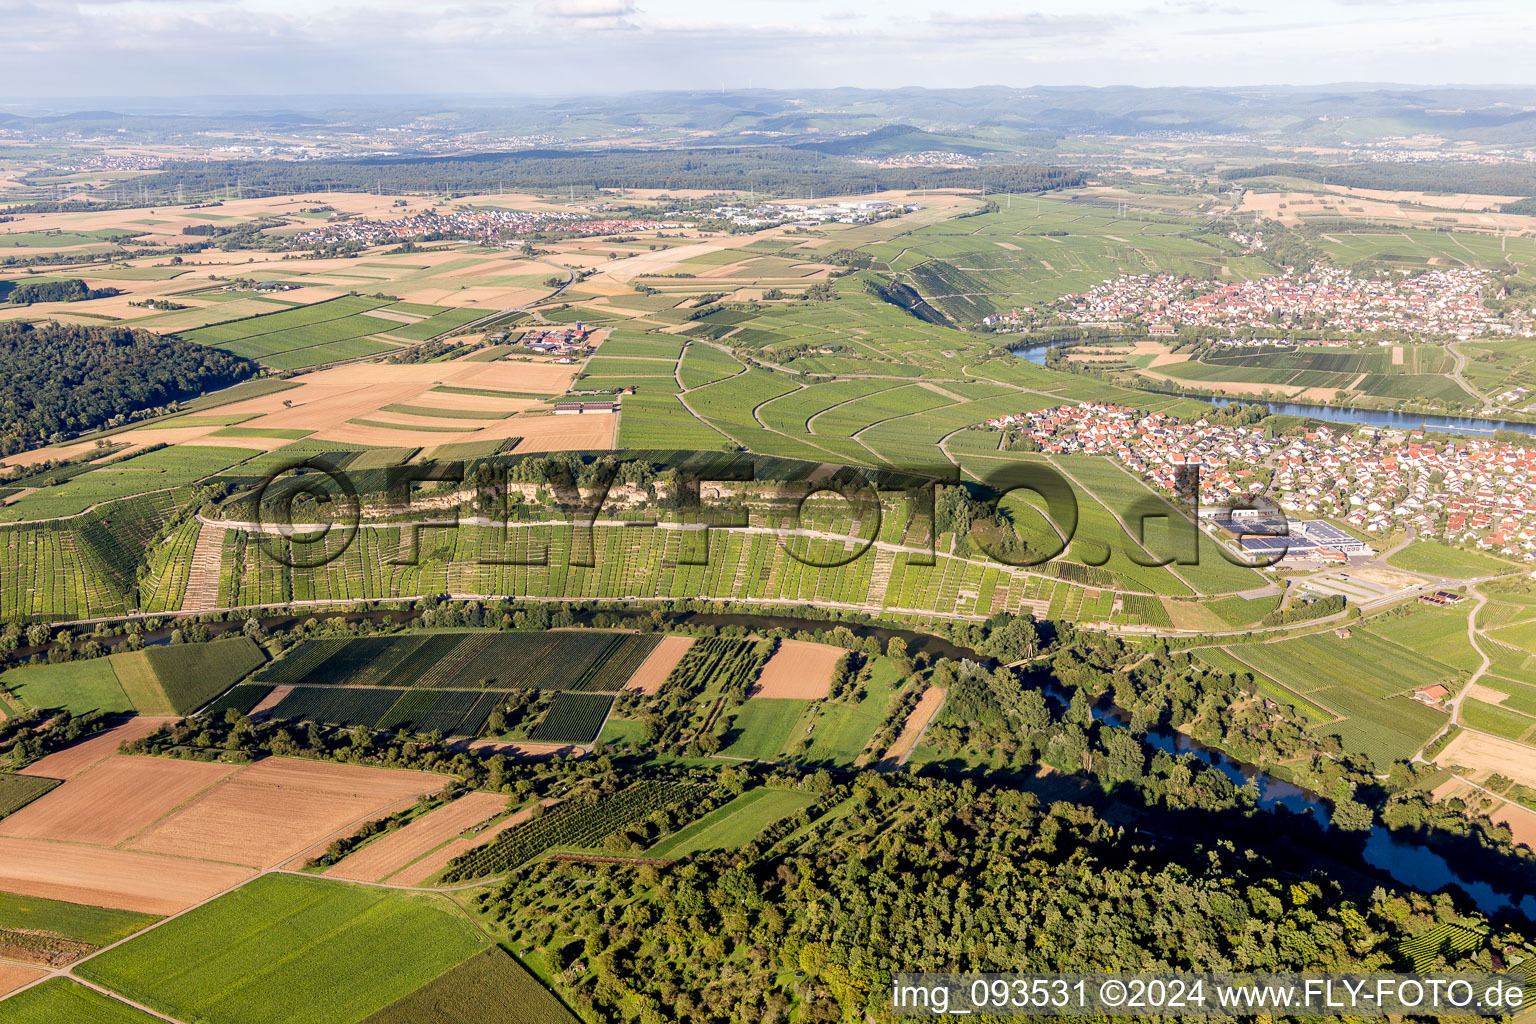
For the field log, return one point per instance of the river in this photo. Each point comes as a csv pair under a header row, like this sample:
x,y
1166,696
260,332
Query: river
x,y
1335,414
1407,862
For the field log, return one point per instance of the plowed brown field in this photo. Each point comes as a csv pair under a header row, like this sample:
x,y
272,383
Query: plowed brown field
x,y
114,801
111,878
798,670
383,857
71,761
278,808
659,664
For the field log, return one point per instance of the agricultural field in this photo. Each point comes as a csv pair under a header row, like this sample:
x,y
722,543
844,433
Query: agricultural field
x,y
798,670
273,810
489,986
586,660
581,823
97,926
1036,249
397,850
61,999
17,791
719,664
735,824
182,678
761,728
271,952
154,681
1364,681
574,718
1437,559
78,687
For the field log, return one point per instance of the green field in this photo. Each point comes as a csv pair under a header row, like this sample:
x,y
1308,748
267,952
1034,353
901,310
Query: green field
x,y
78,687
760,728
489,987
272,951
1437,559
62,1001
1366,679
16,791
100,926
735,824
181,678
1499,720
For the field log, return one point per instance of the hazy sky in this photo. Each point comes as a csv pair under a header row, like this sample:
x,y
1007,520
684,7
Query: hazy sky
x,y
201,47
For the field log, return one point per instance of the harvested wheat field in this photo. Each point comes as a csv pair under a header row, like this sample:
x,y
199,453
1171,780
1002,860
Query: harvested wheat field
x,y
432,863
799,670
1520,822
113,801
523,750
71,761
383,857
1479,751
659,664
13,976
280,807
111,878
912,729
1486,694
562,433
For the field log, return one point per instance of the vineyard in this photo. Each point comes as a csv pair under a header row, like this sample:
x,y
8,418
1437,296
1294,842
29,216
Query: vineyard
x,y
573,718
242,698
387,709
190,675
163,589
84,566
16,791
720,665
585,660
580,823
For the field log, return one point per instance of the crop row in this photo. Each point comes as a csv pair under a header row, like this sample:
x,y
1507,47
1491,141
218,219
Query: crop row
x,y
242,698
450,712
582,823
573,718
720,664
581,660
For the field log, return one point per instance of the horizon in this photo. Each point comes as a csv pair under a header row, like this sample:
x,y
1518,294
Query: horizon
x,y
330,46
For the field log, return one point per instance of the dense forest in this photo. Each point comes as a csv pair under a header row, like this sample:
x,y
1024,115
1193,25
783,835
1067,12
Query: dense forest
x,y
768,169
62,378
901,874
1435,176
71,290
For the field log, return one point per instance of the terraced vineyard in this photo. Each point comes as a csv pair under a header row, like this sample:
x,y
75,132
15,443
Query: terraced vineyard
x,y
580,823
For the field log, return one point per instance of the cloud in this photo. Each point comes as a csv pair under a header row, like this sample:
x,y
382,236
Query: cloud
x,y
587,9
1016,24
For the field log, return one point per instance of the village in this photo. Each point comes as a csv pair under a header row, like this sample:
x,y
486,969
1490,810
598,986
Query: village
x,y
485,225
1444,302
766,215
1478,493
